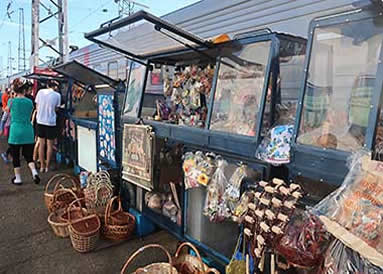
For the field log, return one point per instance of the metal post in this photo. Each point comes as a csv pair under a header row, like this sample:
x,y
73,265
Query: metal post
x,y
34,61
63,29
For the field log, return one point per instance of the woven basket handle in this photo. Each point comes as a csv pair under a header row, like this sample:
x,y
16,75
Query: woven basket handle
x,y
108,209
63,190
135,254
78,201
99,186
62,176
190,245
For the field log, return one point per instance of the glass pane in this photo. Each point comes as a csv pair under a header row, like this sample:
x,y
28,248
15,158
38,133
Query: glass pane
x,y
340,85
378,148
136,82
84,103
113,70
239,89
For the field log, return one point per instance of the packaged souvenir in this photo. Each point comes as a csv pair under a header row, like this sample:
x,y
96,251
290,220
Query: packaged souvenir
x,y
215,206
341,259
354,212
233,189
304,242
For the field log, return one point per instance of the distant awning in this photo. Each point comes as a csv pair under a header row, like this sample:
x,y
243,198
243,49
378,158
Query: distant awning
x,y
84,75
142,35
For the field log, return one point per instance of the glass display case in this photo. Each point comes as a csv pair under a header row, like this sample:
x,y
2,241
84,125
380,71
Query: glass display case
x,y
341,96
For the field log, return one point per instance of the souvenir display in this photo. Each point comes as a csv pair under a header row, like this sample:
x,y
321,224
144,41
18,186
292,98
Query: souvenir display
x,y
232,191
198,168
267,215
215,207
353,213
107,142
138,148
275,147
186,93
304,242
341,259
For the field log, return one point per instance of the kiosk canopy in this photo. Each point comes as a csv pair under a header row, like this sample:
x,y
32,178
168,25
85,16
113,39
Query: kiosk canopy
x,y
340,84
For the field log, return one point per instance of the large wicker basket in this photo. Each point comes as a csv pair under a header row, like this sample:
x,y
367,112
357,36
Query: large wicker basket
x,y
62,198
60,181
155,268
118,225
85,231
189,264
59,220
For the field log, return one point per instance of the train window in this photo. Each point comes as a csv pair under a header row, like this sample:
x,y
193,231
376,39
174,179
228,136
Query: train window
x,y
113,70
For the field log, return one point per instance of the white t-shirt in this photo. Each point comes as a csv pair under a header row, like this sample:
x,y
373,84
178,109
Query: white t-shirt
x,y
47,100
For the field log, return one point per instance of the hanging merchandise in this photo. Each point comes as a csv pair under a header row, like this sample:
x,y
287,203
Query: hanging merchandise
x,y
215,207
305,241
237,264
354,212
341,259
275,147
198,168
233,189
267,216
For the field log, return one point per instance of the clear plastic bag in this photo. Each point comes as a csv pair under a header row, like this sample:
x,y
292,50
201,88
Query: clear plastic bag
x,y
341,259
304,241
233,189
354,212
215,206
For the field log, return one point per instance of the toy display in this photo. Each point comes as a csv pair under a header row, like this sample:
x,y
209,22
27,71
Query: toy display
x,y
186,92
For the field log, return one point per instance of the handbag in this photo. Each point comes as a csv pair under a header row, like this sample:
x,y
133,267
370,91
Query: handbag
x,y
237,264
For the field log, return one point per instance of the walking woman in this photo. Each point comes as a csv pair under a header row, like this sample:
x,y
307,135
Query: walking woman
x,y
21,135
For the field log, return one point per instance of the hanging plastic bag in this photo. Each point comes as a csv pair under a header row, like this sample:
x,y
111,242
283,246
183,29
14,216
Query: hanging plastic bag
x,y
341,259
233,190
275,147
354,212
215,207
304,241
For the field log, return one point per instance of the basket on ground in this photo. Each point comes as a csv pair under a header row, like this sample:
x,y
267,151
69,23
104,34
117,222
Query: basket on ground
x,y
189,264
84,232
58,181
118,225
62,198
154,268
98,192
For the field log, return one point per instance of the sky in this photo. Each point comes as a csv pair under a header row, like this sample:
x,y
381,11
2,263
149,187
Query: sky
x,y
83,16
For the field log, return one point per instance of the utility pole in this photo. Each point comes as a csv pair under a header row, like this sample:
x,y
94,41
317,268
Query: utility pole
x,y
10,60
126,7
57,12
22,65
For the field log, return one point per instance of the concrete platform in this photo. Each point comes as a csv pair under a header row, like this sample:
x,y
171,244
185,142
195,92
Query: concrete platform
x,y
28,245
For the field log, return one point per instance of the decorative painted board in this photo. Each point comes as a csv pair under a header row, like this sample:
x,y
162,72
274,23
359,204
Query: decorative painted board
x,y
138,148
87,148
106,120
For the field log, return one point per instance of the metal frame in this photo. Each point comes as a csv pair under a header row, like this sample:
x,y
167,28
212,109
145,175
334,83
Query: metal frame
x,y
318,163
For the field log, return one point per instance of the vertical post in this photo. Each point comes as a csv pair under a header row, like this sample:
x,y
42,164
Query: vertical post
x,y
34,61
63,29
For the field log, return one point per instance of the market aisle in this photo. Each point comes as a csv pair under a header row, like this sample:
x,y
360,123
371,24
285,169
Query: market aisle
x,y
29,246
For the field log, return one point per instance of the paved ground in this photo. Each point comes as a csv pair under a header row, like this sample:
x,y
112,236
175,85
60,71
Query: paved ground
x,y
27,244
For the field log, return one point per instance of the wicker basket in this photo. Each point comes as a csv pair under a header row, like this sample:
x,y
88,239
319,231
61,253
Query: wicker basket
x,y
62,198
155,268
118,225
59,220
189,264
98,192
59,181
85,231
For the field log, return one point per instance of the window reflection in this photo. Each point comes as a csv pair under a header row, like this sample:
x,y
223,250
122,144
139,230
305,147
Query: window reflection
x,y
135,86
239,90
340,85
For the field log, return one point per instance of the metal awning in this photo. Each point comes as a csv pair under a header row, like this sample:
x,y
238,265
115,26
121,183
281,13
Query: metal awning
x,y
84,75
142,35
44,77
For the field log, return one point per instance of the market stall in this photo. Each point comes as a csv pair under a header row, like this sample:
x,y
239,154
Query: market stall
x,y
94,123
196,139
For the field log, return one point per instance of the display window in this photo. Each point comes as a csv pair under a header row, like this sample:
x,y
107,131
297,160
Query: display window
x,y
135,86
239,89
340,85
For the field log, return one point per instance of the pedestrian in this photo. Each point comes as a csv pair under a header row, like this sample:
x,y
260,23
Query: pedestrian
x,y
21,135
5,98
47,103
5,124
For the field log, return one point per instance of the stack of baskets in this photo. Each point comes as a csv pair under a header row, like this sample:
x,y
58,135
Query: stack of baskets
x,y
183,264
98,192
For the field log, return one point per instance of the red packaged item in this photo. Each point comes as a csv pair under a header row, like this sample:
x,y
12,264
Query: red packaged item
x,y
304,242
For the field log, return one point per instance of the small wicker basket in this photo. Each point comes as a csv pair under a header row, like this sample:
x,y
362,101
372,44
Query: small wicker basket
x,y
118,225
85,231
155,268
62,198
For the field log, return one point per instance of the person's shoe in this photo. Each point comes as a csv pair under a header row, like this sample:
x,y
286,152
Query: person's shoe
x,y
14,183
5,157
36,179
